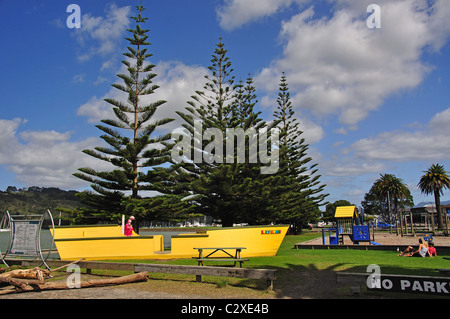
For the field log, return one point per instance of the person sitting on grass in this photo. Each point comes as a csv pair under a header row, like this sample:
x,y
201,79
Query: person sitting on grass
x,y
420,252
431,250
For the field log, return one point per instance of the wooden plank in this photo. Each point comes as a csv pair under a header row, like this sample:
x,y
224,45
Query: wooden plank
x,y
158,268
82,264
107,265
268,274
199,271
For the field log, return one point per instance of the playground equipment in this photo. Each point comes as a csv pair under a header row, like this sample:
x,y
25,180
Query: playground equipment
x,y
333,235
346,217
360,233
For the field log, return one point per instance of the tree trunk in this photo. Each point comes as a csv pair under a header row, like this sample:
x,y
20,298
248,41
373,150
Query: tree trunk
x,y
437,201
35,274
227,221
33,285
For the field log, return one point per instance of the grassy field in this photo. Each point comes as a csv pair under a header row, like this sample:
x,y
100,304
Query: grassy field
x,y
336,259
300,273
351,260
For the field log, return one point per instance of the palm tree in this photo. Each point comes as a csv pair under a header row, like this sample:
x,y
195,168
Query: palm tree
x,y
393,188
433,182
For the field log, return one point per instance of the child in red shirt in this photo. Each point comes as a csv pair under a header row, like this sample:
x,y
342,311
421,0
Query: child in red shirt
x,y
431,250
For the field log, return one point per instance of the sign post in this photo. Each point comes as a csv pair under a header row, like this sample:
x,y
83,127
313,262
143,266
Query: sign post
x,y
25,236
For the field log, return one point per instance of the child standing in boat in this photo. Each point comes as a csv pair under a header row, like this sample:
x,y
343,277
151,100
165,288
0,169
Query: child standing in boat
x,y
129,227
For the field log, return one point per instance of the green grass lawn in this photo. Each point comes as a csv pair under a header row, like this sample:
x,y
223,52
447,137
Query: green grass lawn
x,y
297,267
350,260
334,259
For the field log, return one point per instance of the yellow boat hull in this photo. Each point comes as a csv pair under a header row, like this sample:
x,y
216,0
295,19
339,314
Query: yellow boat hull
x,y
107,242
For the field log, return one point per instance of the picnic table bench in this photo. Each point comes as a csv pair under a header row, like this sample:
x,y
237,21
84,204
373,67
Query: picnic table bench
x,y
236,257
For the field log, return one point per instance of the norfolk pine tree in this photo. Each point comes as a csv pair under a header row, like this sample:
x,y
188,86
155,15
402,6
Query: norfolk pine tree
x,y
251,189
229,191
132,146
299,193
211,106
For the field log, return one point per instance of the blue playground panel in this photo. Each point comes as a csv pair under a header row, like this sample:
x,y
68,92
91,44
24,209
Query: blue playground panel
x,y
333,239
361,233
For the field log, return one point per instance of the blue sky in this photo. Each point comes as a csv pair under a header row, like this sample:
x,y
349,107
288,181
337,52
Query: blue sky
x,y
370,101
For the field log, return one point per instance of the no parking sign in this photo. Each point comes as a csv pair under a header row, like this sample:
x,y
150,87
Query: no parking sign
x,y
410,284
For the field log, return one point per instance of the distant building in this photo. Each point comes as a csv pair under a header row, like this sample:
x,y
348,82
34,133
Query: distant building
x,y
429,207
424,210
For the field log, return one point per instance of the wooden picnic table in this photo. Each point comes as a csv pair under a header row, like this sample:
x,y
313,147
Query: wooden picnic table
x,y
236,257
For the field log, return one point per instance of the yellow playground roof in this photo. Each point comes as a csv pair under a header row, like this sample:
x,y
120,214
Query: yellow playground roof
x,y
346,211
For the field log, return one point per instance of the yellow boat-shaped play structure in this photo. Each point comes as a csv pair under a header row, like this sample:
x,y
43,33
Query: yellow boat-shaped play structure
x,y
106,242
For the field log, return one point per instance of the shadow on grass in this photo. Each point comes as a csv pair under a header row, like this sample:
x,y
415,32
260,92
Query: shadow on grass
x,y
305,281
310,282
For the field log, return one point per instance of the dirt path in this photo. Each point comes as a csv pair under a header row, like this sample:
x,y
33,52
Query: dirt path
x,y
92,293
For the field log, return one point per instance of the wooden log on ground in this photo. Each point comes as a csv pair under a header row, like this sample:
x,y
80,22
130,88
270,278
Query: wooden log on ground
x,y
22,278
198,271
138,277
34,273
24,286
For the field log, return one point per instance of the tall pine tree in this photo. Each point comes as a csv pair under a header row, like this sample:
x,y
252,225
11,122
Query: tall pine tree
x,y
210,109
298,194
225,187
132,144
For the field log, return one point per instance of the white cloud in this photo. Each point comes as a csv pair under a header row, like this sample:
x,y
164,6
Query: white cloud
x,y
235,13
440,122
101,35
429,144
44,158
380,153
176,81
405,153
312,132
351,167
336,65
96,109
